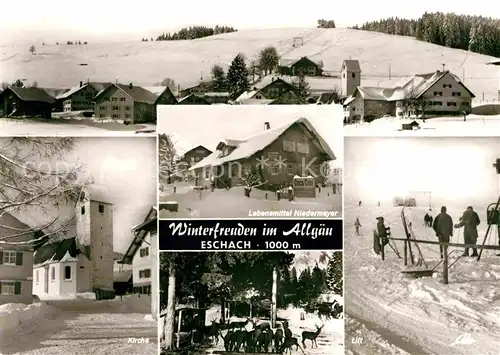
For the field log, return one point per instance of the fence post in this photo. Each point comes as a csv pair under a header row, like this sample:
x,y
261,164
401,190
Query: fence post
x,y
382,249
445,263
406,253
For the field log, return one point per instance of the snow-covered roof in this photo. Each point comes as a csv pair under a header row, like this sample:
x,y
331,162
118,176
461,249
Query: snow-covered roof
x,y
494,62
247,95
70,92
255,102
255,143
98,193
414,86
217,94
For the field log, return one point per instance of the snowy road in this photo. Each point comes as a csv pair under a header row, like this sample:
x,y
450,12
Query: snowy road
x,y
76,328
422,315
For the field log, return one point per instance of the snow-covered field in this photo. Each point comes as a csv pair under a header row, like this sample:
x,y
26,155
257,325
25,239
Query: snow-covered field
x,y
475,125
12,127
145,63
76,326
423,315
233,204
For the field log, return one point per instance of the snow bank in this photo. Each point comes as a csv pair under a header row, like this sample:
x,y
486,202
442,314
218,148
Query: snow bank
x,y
72,296
13,315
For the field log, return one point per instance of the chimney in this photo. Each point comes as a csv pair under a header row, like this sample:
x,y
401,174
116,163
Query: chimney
x,y
443,66
267,126
81,83
130,86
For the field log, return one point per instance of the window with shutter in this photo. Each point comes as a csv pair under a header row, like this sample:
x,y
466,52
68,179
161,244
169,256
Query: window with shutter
x,y
19,258
17,288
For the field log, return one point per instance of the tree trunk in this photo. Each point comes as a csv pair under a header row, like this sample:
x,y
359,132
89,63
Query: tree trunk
x,y
223,312
169,317
274,308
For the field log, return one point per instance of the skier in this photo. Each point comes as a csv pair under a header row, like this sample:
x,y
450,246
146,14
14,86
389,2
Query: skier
x,y
470,220
378,203
359,203
357,225
426,220
443,226
431,219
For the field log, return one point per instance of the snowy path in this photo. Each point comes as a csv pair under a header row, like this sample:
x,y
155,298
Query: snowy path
x,y
77,329
460,318
10,127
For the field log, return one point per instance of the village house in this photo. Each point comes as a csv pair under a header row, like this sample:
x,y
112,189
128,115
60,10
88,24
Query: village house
x,y
30,102
199,89
127,103
81,98
304,66
438,93
193,99
288,149
190,158
142,254
165,97
217,97
16,260
84,261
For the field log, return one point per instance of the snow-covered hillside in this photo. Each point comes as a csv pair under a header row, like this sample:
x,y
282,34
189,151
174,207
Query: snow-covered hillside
x,y
381,57
421,315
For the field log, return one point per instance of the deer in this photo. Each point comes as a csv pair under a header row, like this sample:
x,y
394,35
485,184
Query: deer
x,y
228,340
212,331
278,339
239,325
311,336
289,343
266,340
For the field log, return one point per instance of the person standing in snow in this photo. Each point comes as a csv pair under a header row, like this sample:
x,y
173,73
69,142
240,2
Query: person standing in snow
x,y
443,226
357,225
470,220
382,231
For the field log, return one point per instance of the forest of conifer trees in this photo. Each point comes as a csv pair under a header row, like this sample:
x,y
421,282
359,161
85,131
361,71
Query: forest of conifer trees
x,y
195,32
471,33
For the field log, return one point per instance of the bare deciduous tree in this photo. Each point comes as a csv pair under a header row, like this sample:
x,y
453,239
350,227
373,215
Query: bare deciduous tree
x,y
168,82
31,182
32,49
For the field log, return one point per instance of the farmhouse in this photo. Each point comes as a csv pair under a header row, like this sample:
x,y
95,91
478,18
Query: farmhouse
x,y
84,262
16,260
193,99
190,158
438,93
201,88
166,97
31,102
142,254
81,98
127,103
304,66
295,148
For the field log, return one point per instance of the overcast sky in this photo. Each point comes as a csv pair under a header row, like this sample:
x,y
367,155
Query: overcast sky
x,y
453,169
114,18
191,126
125,168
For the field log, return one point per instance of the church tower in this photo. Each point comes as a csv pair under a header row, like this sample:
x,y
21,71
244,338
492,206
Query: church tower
x,y
94,228
350,75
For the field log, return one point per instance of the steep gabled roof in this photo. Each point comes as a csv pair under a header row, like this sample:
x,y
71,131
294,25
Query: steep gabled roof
x,y
31,94
137,93
257,142
195,148
196,97
494,62
140,232
12,226
351,65
95,85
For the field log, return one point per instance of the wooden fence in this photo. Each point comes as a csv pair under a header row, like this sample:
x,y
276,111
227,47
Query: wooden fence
x,y
445,246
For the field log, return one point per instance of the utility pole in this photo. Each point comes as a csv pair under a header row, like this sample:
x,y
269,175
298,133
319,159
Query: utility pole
x,y
389,72
443,66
